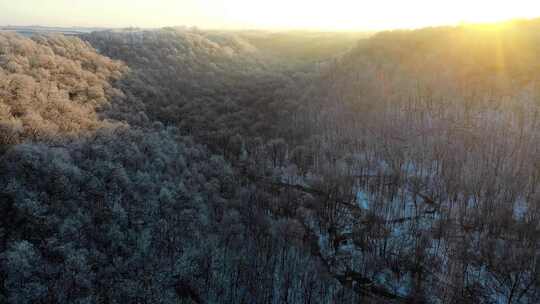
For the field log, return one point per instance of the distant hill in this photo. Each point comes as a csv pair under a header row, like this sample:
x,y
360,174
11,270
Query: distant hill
x,y
304,45
500,58
33,30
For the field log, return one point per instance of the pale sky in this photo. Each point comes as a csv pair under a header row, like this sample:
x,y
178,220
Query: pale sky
x,y
277,14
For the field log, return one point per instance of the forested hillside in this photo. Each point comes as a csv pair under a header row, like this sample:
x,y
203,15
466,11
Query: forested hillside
x,y
211,85
52,87
113,204
186,166
437,129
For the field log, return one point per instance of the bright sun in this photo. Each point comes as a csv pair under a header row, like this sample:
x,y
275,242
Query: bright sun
x,y
378,14
282,14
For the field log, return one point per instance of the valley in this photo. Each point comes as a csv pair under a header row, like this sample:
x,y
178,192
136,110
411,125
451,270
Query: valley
x,y
179,165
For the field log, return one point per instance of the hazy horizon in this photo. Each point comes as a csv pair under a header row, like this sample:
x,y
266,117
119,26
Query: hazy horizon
x,y
339,15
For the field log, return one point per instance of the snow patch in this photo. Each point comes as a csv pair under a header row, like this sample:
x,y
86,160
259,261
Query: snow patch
x,y
362,199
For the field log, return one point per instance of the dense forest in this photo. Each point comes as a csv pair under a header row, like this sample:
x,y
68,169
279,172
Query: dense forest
x,y
179,165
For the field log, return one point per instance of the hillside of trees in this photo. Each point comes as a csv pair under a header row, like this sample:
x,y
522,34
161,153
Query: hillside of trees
x,y
185,166
52,87
438,131
123,207
189,79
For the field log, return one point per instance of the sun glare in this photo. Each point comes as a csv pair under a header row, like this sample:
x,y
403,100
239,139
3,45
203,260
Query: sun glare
x,y
274,14
382,14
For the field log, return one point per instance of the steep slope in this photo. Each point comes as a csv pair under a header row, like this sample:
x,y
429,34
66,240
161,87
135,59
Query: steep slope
x,y
453,62
213,86
437,131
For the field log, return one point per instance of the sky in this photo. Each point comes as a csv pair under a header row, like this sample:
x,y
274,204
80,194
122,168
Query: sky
x,y
271,14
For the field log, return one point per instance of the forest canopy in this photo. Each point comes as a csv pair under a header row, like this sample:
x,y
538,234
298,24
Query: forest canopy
x,y
52,87
179,165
